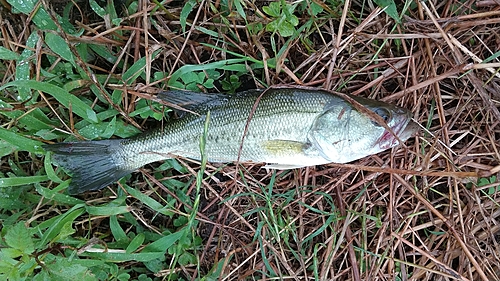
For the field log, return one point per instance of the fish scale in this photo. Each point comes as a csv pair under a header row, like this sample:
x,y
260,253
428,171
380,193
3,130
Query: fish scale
x,y
289,128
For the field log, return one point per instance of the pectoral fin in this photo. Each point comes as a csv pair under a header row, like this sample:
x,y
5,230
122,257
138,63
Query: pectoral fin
x,y
284,151
286,154
283,147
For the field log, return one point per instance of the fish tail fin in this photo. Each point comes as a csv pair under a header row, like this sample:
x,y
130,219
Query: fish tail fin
x,y
90,163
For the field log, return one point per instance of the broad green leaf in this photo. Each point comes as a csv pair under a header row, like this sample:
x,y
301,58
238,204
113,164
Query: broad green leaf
x,y
16,170
46,134
274,9
165,242
273,26
288,10
133,7
51,174
187,258
59,46
75,84
190,77
6,148
293,20
286,29
150,202
18,181
107,211
18,237
6,54
110,129
104,52
135,243
23,143
391,9
95,131
106,114
235,67
134,71
41,18
314,10
62,268
62,96
65,231
56,224
116,229
115,20
225,64
239,7
91,115
34,120
37,120
123,257
124,130
7,257
209,84
23,67
56,195
97,9
18,206
186,10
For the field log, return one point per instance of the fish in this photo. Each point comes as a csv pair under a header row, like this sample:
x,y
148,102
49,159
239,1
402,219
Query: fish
x,y
283,128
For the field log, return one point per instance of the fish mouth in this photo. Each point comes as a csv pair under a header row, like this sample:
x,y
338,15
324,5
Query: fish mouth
x,y
403,129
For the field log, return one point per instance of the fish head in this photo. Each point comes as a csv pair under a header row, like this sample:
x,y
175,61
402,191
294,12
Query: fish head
x,y
343,133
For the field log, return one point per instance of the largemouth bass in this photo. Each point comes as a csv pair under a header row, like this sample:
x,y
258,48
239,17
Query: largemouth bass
x,y
285,128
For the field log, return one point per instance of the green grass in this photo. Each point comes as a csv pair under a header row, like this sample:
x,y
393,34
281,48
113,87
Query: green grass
x,y
178,221
47,234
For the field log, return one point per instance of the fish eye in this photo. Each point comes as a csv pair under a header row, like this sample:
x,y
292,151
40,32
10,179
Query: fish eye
x,y
384,113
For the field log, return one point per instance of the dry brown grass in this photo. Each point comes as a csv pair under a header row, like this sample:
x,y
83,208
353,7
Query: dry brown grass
x,y
412,213
435,223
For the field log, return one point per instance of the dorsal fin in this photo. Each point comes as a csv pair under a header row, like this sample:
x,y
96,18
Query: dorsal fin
x,y
194,100
191,100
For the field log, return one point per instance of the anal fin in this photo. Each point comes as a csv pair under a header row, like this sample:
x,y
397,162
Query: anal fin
x,y
282,166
